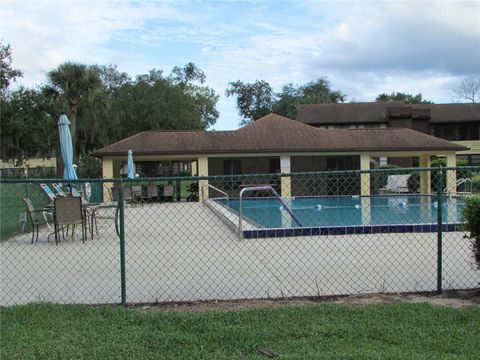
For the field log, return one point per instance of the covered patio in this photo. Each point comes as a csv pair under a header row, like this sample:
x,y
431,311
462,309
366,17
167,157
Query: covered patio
x,y
274,145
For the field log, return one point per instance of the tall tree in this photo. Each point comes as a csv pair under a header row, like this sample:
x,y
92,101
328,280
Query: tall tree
x,y
7,73
27,128
71,83
469,89
399,96
257,99
320,92
254,100
175,102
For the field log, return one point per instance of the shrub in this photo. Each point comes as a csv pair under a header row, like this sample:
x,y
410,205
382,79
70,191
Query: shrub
x,y
413,183
90,168
414,180
476,184
471,219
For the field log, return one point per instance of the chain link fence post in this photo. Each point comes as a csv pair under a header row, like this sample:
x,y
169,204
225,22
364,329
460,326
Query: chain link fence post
x,y
439,175
121,204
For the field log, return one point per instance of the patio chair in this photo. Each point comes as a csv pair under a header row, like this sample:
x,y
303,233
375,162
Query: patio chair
x,y
34,220
168,192
137,197
104,212
127,195
152,192
68,212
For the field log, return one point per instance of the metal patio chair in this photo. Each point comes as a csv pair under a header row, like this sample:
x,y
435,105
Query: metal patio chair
x,y
137,195
33,217
168,192
68,212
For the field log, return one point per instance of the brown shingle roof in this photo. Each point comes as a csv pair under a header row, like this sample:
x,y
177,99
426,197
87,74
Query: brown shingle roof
x,y
377,112
274,133
446,113
340,113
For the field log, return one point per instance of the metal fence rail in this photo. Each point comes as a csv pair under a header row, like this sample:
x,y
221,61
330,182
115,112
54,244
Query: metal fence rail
x,y
173,239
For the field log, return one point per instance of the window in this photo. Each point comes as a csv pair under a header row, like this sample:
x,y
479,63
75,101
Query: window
x,y
274,165
457,132
473,160
232,167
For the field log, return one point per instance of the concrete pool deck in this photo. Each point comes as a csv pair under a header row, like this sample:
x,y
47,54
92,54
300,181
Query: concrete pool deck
x,y
184,252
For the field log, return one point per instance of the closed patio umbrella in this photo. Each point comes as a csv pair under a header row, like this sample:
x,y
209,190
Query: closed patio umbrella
x,y
130,165
66,148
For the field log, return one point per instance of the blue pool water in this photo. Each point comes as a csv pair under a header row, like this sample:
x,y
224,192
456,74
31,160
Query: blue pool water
x,y
347,211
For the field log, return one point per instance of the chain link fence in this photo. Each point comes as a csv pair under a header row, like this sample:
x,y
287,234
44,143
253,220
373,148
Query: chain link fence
x,y
236,237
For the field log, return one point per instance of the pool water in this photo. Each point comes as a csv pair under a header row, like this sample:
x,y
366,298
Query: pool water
x,y
347,211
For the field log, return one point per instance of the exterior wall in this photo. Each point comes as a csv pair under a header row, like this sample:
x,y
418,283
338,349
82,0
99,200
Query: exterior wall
x,y
474,146
400,123
249,165
308,163
421,125
38,162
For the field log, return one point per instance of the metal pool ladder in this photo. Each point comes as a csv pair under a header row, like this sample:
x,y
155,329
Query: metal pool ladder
x,y
261,188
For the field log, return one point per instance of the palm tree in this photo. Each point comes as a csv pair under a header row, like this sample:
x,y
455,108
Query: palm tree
x,y
73,84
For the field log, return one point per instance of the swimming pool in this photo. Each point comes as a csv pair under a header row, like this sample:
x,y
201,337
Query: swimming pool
x,y
345,215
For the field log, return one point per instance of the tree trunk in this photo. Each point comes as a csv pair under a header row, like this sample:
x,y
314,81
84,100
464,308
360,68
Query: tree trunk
x,y
59,160
73,129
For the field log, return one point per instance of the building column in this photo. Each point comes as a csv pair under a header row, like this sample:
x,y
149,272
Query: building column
x,y
451,174
285,183
365,178
107,172
202,167
425,182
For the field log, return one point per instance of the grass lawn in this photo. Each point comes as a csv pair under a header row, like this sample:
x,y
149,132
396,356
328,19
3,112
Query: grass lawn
x,y
11,205
403,331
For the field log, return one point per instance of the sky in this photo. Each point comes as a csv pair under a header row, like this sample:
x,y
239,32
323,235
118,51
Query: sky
x,y
363,48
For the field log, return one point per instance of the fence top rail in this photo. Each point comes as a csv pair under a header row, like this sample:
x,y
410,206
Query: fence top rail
x,y
147,180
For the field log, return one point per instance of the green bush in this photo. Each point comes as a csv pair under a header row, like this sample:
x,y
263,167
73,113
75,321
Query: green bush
x,y
476,184
90,168
413,183
471,219
414,180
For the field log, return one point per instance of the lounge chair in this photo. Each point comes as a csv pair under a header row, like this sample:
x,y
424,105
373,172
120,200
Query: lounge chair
x,y
46,189
396,184
58,189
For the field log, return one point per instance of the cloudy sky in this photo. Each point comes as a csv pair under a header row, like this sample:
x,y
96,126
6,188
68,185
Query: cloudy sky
x,y
363,48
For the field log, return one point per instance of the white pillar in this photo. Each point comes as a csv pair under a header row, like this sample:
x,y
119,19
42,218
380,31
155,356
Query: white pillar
x,y
285,183
451,174
425,182
202,184
365,178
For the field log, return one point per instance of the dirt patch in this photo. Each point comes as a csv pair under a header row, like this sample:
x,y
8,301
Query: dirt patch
x,y
456,299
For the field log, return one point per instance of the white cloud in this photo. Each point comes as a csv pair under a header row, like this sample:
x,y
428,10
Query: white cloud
x,y
364,48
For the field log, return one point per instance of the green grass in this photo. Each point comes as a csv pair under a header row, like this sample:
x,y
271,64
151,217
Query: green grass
x,y
403,331
11,205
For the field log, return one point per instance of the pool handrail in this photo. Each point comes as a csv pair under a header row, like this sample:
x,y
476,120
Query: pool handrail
x,y
460,182
260,188
220,191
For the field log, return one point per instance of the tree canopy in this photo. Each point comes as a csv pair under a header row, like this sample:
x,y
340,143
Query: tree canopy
x,y
103,105
7,73
258,99
399,96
